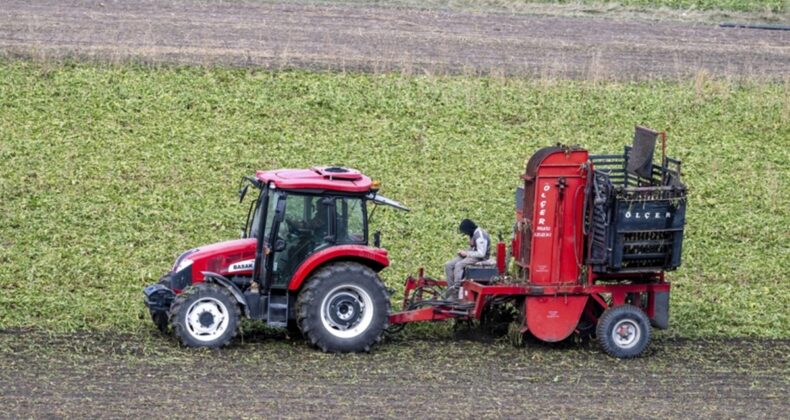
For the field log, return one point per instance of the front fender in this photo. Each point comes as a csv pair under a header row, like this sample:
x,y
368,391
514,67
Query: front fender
x,y
225,282
375,258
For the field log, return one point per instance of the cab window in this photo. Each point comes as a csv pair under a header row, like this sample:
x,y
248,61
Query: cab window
x,y
350,220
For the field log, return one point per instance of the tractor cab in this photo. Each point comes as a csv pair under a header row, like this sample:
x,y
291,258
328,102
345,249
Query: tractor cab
x,y
301,212
305,237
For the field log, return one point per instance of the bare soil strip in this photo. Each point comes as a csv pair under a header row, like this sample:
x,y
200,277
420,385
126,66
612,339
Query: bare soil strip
x,y
94,375
344,37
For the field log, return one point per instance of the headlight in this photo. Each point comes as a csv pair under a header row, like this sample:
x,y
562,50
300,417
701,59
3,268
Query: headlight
x,y
183,264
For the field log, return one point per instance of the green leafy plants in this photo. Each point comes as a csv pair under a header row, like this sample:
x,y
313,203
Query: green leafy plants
x,y
108,172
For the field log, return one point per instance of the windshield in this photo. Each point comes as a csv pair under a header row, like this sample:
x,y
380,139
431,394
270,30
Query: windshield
x,y
257,213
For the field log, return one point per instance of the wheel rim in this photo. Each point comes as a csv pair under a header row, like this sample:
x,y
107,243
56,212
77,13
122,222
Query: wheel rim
x,y
347,311
626,334
207,319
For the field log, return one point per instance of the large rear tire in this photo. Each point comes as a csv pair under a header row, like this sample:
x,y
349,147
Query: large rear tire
x,y
205,315
343,308
623,331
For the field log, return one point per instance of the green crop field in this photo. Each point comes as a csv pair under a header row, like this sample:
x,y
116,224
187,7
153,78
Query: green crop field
x,y
108,173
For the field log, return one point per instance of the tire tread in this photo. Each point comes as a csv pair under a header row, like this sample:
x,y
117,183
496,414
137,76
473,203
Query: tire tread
x,y
611,315
308,299
176,321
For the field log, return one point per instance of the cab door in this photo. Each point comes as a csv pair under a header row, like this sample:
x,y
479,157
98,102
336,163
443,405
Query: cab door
x,y
269,242
307,227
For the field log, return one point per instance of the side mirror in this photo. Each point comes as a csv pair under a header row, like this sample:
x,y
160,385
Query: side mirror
x,y
279,245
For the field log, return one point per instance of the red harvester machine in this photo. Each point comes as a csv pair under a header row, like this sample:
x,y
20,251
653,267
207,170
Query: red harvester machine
x,y
594,235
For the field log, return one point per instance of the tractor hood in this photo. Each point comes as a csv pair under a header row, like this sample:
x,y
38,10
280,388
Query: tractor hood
x,y
229,257
223,247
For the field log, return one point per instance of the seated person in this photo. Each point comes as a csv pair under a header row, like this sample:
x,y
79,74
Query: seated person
x,y
479,250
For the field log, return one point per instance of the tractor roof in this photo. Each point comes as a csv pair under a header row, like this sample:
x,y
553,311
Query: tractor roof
x,y
333,178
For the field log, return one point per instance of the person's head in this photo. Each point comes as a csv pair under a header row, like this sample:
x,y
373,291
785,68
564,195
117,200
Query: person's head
x,y
467,227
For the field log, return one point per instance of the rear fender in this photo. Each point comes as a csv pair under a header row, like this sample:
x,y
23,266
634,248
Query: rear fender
x,y
375,258
211,277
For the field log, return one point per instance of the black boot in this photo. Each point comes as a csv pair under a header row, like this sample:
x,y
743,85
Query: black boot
x,y
450,293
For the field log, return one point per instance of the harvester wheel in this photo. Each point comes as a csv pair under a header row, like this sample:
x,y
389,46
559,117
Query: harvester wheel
x,y
624,331
205,315
343,308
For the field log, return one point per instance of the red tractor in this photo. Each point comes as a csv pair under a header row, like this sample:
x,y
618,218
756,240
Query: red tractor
x,y
304,260
592,240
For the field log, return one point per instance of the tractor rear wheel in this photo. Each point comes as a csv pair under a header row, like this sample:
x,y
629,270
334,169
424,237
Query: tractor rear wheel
x,y
343,308
623,331
205,315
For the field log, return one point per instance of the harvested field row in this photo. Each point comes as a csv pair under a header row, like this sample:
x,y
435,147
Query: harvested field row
x,y
412,41
115,375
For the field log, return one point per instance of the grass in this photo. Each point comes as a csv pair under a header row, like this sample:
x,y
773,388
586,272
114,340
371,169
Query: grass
x,y
109,172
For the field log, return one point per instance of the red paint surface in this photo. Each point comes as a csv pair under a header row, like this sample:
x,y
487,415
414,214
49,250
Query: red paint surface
x,y
557,218
217,257
316,178
420,315
364,254
554,318
501,258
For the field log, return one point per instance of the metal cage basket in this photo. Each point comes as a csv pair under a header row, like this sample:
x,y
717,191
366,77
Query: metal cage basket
x,y
636,216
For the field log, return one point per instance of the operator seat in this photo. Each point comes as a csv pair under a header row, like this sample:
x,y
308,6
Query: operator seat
x,y
483,272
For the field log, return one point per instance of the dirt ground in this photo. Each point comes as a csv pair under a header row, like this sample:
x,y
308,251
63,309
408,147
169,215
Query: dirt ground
x,y
367,38
460,376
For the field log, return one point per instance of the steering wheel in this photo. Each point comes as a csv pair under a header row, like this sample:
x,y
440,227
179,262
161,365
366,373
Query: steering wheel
x,y
296,227
293,226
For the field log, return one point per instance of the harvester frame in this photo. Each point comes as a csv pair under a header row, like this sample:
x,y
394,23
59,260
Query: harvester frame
x,y
593,239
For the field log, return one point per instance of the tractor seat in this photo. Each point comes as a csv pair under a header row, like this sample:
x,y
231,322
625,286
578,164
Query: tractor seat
x,y
489,263
483,272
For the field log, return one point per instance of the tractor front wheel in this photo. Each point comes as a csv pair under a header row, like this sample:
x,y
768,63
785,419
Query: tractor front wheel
x,y
205,315
343,308
623,331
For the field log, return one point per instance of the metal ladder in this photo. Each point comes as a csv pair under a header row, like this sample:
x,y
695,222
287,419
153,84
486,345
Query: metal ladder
x,y
277,312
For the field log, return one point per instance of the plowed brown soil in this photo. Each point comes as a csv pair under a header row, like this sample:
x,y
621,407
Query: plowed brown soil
x,y
343,37
95,375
